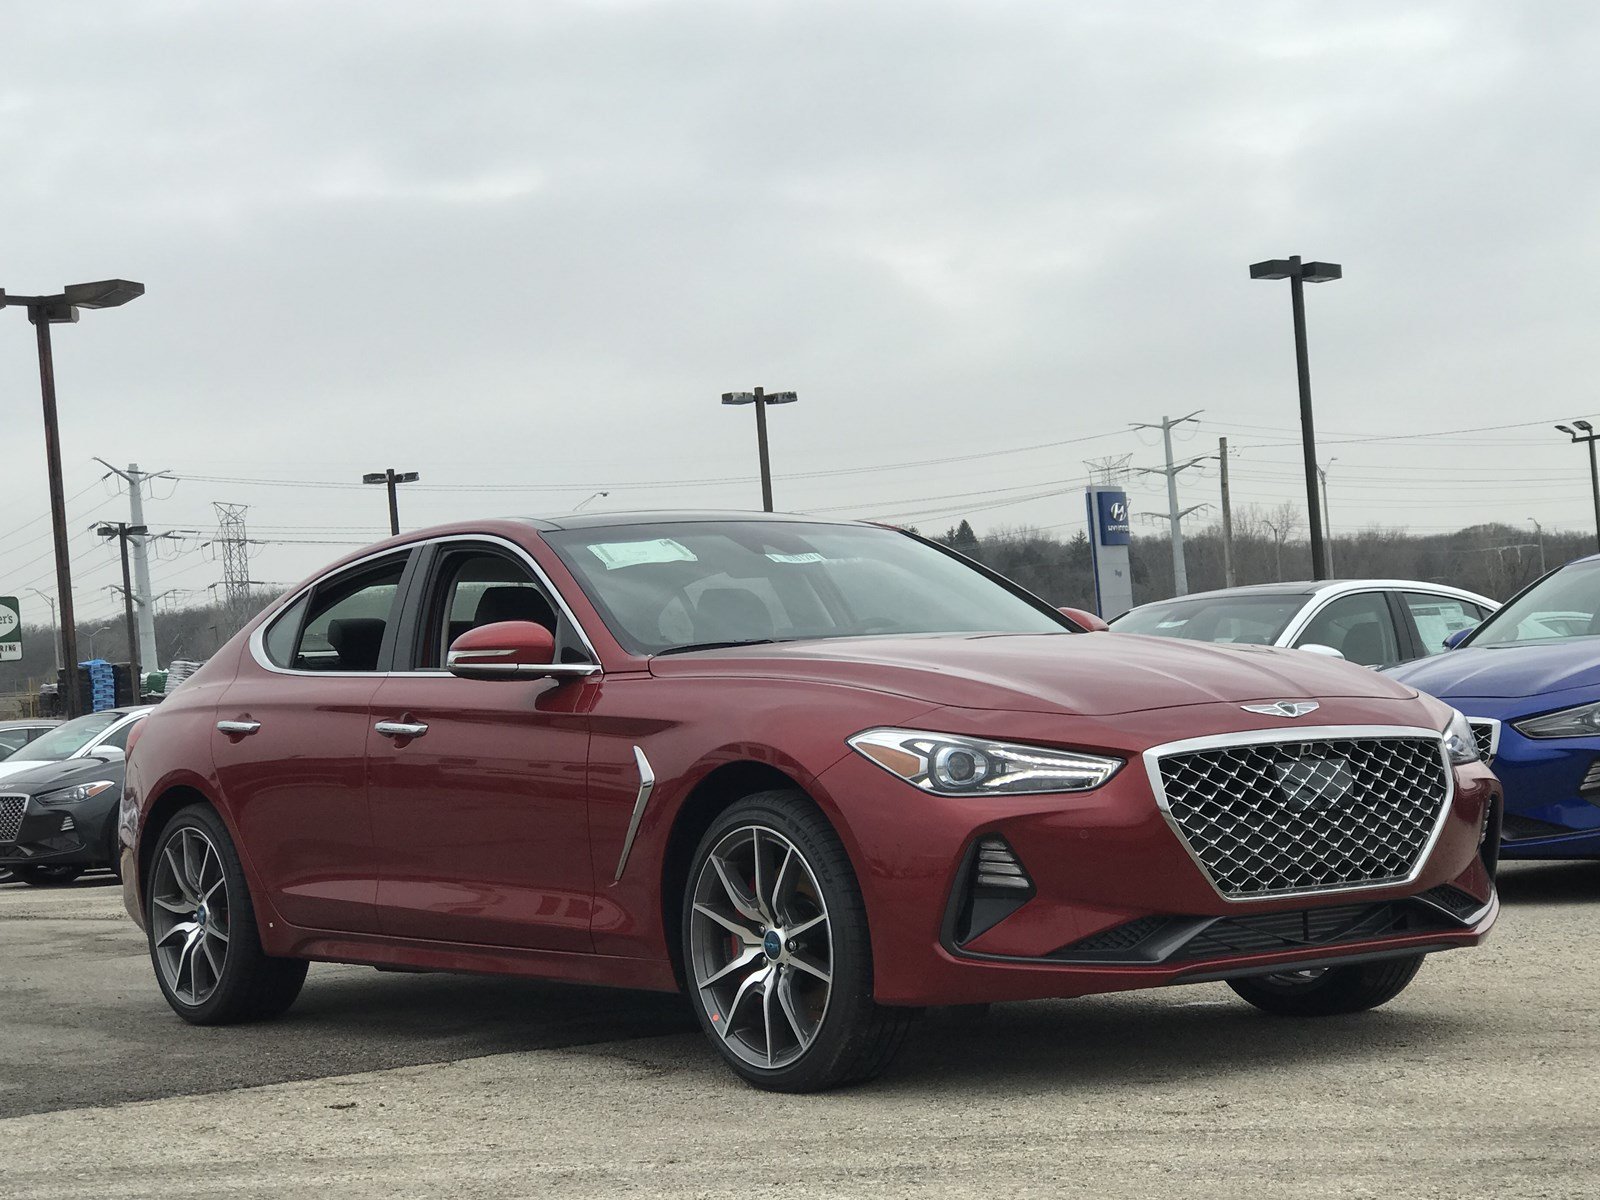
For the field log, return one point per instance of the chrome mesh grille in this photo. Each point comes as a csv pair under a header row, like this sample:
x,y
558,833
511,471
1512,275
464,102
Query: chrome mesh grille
x,y
1273,818
1483,732
11,808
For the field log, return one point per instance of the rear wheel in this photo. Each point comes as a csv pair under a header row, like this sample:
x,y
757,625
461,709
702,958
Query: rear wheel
x,y
777,954
47,876
202,929
1329,991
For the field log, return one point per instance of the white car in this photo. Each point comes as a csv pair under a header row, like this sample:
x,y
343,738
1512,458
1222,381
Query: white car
x,y
1374,622
97,733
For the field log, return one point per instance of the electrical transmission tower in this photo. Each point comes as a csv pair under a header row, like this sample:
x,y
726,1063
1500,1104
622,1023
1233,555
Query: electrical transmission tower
x,y
1109,472
1174,514
235,560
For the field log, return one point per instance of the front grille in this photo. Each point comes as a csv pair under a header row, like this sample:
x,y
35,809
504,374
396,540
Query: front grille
x,y
11,809
1487,735
1280,817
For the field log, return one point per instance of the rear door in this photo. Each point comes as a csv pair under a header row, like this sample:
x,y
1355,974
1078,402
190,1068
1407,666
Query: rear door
x,y
1435,616
290,745
480,811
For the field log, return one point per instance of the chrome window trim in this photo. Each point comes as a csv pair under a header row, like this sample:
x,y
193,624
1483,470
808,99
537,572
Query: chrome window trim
x,y
647,783
1311,733
258,634
1494,724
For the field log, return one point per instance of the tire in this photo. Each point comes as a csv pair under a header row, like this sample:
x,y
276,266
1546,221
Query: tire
x,y
1330,991
201,929
47,876
786,1001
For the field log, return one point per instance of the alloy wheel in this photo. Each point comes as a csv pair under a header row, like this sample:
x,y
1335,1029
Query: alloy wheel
x,y
189,916
761,946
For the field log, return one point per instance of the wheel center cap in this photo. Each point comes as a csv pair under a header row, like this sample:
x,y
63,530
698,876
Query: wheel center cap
x,y
200,915
772,944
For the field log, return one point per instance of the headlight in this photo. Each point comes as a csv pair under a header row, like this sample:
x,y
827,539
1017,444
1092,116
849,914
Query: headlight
x,y
960,766
1582,721
1460,741
77,794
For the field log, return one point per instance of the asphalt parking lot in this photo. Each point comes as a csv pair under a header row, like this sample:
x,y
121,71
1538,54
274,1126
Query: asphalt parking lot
x,y
1479,1081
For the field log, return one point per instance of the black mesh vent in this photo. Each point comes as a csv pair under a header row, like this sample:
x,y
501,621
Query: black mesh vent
x,y
1119,937
1516,829
1462,903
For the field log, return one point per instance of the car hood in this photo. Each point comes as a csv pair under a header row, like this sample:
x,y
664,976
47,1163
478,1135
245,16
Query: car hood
x,y
47,776
1096,674
1505,671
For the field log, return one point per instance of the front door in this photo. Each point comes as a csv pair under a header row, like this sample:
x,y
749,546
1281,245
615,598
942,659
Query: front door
x,y
477,787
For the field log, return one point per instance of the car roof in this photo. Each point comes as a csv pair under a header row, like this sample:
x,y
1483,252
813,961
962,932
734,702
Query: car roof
x,y
28,722
1331,587
601,520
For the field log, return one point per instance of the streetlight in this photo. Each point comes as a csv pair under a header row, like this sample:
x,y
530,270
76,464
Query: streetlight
x,y
45,311
588,499
390,477
1327,515
761,399
1298,274
55,629
1588,435
1539,529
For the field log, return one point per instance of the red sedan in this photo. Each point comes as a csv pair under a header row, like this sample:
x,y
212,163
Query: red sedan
x,y
816,774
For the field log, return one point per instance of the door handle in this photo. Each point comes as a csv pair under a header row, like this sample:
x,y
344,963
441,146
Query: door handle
x,y
238,728
401,729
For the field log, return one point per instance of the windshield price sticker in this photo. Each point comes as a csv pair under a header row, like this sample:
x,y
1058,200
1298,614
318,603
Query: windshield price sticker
x,y
633,554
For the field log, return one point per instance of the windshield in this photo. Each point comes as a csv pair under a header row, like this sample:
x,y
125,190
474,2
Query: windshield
x,y
681,586
1562,606
66,740
1240,620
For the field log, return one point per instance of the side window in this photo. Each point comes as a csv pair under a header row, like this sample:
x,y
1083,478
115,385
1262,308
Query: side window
x,y
1358,627
284,633
479,587
346,619
12,740
119,738
1437,617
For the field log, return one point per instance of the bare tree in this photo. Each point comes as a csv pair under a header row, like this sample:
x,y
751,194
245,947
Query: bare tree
x,y
1281,522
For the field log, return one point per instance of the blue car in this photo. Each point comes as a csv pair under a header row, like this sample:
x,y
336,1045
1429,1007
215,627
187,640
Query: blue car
x,y
1528,679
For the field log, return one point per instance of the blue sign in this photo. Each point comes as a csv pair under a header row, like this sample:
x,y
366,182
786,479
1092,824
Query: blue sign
x,y
1113,527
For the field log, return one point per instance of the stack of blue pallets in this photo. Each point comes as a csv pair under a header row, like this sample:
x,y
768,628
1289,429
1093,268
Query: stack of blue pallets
x,y
102,684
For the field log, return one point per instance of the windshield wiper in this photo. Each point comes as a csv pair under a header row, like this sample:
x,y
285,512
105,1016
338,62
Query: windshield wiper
x,y
722,645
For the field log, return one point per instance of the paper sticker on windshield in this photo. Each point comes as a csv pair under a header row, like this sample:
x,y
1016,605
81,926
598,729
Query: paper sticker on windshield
x,y
633,554
810,557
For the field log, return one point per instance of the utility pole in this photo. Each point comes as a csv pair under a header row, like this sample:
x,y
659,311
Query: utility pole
x,y
1539,529
122,531
1180,573
389,477
135,479
1327,517
1227,516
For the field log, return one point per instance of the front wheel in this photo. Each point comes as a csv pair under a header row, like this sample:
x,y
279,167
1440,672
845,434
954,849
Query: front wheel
x,y
202,929
777,953
1329,991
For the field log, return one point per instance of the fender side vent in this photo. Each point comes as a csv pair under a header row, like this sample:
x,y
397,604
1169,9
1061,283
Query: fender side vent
x,y
993,885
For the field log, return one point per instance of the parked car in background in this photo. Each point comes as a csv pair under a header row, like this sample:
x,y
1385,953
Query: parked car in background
x,y
1528,679
816,774
1372,622
14,735
59,819
107,730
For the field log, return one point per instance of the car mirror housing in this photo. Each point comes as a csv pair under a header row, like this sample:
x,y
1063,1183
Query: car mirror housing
x,y
108,752
1319,648
1459,636
510,650
1082,616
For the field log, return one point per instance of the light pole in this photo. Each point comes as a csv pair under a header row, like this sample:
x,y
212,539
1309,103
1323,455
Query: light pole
x,y
45,311
1588,435
94,633
588,499
761,398
1539,529
1298,274
1327,515
390,477
55,629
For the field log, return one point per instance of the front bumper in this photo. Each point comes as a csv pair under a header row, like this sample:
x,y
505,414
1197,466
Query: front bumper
x,y
77,835
1116,900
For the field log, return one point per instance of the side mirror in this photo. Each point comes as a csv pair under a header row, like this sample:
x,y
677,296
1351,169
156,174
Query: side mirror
x,y
110,753
1459,636
1319,648
1081,616
510,650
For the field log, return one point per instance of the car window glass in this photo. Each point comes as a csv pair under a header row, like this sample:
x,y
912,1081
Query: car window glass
x,y
1437,617
480,588
284,632
1241,620
12,740
1563,605
1358,627
117,737
66,740
347,618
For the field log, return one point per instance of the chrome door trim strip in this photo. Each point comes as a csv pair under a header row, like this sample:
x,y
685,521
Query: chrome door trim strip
x,y
1311,733
647,783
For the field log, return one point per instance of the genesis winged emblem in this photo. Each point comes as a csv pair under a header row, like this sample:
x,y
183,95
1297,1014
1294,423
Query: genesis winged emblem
x,y
1283,708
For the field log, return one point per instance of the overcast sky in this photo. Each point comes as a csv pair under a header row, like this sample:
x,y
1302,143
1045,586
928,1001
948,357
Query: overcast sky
x,y
522,247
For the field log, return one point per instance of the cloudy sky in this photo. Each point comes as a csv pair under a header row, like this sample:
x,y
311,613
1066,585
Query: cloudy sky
x,y
521,247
